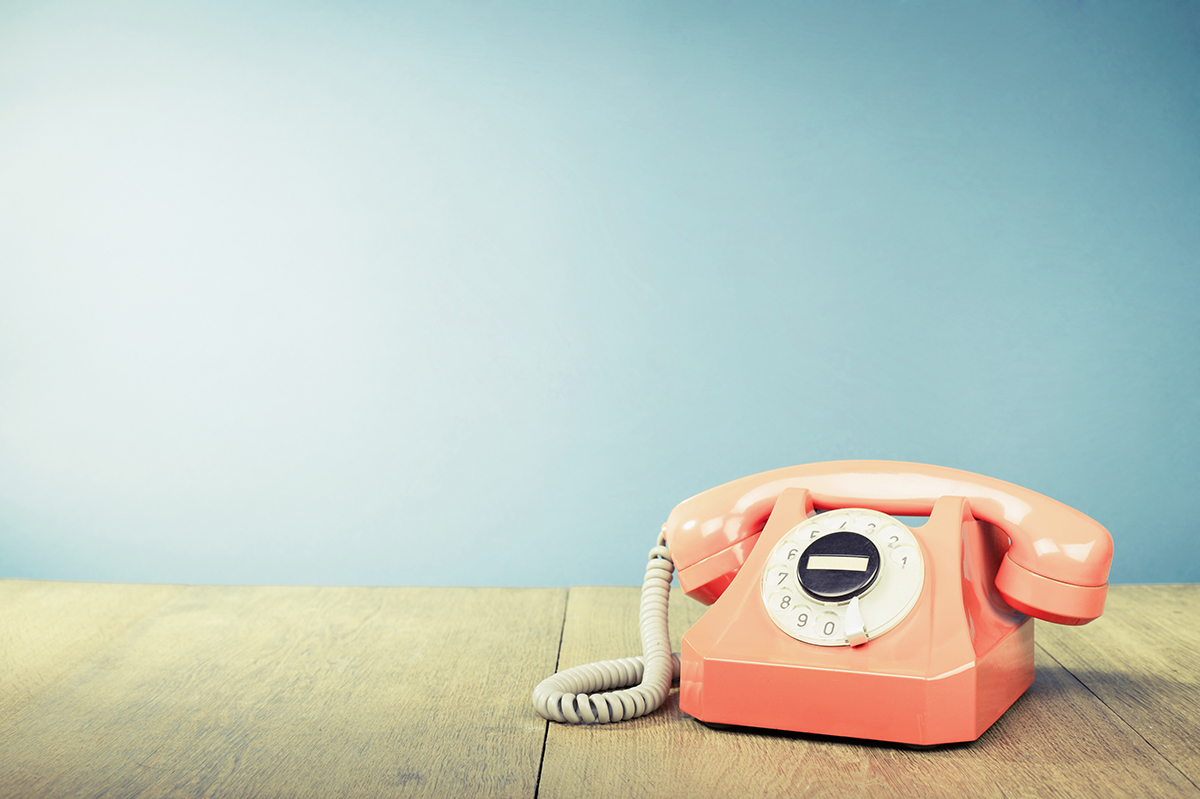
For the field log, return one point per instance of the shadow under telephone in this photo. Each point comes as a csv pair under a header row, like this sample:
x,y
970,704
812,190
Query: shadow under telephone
x,y
831,616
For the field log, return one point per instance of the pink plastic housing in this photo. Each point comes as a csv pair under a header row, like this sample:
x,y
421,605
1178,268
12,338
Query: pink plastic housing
x,y
959,659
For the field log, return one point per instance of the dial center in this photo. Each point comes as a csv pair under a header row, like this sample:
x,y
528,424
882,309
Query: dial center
x,y
838,566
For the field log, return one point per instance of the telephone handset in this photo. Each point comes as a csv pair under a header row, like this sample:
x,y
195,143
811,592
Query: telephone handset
x,y
830,616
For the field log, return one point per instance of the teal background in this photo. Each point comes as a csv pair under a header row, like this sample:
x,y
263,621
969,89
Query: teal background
x,y
475,293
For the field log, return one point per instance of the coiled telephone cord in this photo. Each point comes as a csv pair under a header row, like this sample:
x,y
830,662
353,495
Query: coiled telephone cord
x,y
567,696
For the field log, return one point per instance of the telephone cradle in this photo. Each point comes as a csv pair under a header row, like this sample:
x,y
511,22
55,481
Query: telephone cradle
x,y
830,616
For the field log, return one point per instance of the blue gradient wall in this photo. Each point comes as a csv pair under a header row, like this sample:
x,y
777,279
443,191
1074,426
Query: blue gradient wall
x,y
474,293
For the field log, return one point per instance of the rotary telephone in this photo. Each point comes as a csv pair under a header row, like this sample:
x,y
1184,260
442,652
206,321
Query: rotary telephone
x,y
830,616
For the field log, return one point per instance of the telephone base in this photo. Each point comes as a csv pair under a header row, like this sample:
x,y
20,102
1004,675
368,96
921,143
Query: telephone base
x,y
914,709
944,674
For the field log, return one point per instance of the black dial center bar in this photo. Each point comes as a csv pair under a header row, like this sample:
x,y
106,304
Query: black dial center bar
x,y
838,566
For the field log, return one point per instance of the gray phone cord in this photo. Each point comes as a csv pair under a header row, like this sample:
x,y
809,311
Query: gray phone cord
x,y
566,697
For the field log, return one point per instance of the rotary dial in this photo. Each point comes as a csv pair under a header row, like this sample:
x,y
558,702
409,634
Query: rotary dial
x,y
843,577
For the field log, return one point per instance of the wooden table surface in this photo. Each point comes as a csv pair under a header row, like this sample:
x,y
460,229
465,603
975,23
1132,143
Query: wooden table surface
x,y
165,690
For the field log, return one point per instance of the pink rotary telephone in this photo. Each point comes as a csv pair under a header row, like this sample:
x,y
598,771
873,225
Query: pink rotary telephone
x,y
830,616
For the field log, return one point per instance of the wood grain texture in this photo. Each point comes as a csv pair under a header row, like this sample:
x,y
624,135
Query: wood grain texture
x,y
49,629
299,692
127,690
1142,660
1057,740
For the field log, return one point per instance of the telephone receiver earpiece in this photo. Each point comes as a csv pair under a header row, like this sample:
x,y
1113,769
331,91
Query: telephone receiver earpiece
x,y
1056,567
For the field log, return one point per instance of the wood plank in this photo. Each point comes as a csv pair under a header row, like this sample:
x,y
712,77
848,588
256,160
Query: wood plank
x,y
48,629
1057,740
1142,659
299,692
